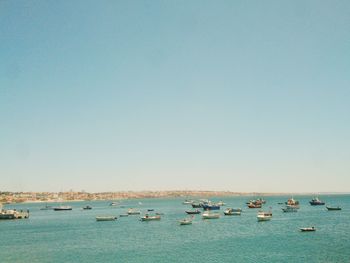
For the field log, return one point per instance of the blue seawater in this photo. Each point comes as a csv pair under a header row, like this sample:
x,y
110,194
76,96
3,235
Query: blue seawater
x,y
75,236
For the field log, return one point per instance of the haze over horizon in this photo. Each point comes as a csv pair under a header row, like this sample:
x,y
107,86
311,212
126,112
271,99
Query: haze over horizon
x,y
244,96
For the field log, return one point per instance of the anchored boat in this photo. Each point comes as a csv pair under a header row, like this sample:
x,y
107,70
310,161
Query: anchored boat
x,y
193,212
264,216
106,218
316,201
329,208
290,208
62,208
148,217
308,229
133,211
232,212
210,215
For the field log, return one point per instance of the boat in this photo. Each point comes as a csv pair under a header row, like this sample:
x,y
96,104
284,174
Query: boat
x,y
186,221
187,202
159,213
290,208
113,204
254,205
87,207
62,208
210,206
47,207
221,203
232,212
197,205
123,215
264,216
193,212
106,218
291,201
210,215
308,229
150,210
329,208
133,211
148,217
13,214
316,201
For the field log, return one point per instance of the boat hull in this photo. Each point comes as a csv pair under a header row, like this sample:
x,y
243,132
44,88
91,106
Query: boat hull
x,y
105,218
333,208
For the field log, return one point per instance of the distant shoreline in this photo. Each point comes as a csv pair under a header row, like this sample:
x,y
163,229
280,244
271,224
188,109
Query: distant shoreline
x,y
60,197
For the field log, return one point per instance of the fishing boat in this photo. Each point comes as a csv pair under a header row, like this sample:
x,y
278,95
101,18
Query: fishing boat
x,y
290,208
106,218
264,216
133,211
329,208
210,206
62,208
87,207
254,205
308,229
210,215
232,212
148,217
196,205
316,201
193,212
291,201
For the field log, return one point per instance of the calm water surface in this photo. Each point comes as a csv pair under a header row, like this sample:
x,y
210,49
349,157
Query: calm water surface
x,y
75,236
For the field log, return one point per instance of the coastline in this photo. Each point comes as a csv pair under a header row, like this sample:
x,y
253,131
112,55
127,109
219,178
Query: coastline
x,y
62,197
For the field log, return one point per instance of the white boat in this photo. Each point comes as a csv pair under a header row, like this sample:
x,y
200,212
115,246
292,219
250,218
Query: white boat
x,y
13,214
308,229
133,211
147,217
221,203
232,212
264,216
210,215
106,218
186,221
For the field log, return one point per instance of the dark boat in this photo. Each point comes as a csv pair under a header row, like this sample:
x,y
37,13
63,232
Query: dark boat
x,y
333,208
87,207
150,210
193,212
196,205
210,207
316,201
62,208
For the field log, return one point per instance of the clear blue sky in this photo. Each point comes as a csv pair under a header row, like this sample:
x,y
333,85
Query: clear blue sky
x,y
147,95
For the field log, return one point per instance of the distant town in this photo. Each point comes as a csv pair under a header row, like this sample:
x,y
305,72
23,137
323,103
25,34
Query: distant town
x,y
19,197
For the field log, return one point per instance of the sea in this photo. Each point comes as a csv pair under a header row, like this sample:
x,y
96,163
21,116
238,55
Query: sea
x,y
76,236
